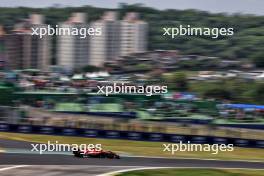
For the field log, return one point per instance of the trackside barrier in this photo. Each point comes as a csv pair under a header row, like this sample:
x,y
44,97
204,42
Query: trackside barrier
x,y
128,115
133,115
129,135
247,126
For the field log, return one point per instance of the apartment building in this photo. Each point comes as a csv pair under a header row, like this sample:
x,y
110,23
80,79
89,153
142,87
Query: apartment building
x,y
2,48
133,35
119,38
26,51
105,47
73,50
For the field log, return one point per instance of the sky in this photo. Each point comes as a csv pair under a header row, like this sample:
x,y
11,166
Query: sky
x,y
215,6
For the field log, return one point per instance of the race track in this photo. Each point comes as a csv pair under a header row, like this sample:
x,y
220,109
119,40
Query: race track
x,y
55,159
58,170
66,164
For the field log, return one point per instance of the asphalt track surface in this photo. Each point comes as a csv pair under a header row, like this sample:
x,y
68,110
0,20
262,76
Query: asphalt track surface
x,y
57,170
68,165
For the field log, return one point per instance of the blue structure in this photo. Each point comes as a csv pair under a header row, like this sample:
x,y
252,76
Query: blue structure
x,y
244,106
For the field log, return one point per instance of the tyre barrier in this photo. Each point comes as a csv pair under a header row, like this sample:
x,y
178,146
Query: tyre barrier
x,y
129,135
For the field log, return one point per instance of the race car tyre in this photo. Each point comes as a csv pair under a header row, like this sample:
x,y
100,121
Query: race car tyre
x,y
110,156
77,154
117,157
102,156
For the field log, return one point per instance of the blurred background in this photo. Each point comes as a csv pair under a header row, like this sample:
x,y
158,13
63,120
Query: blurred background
x,y
216,86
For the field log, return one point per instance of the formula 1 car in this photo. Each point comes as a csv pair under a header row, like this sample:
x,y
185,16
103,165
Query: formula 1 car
x,y
92,153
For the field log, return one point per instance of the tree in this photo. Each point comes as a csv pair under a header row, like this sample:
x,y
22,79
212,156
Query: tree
x,y
142,67
258,94
218,93
258,60
90,68
177,81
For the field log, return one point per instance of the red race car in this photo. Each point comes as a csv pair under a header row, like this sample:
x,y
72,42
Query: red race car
x,y
93,153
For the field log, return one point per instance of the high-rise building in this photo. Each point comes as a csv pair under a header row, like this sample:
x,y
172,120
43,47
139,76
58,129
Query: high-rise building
x,y
106,46
26,51
73,50
133,34
15,45
117,38
2,48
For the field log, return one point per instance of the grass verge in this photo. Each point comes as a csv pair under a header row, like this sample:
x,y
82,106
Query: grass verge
x,y
153,149
193,172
